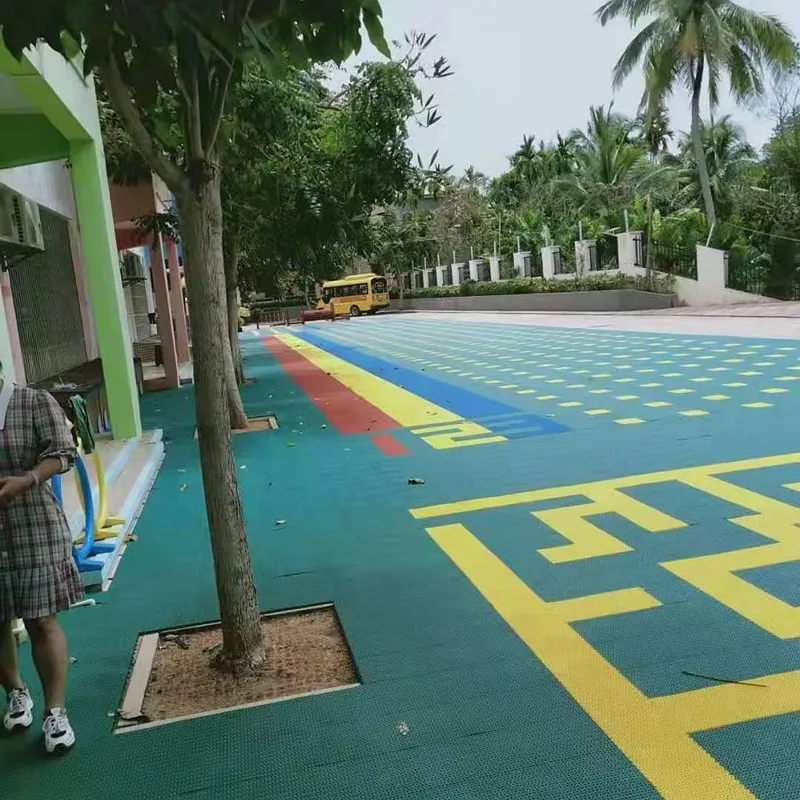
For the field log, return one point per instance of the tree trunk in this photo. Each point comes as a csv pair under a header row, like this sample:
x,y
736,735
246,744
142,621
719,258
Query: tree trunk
x,y
697,142
201,228
231,255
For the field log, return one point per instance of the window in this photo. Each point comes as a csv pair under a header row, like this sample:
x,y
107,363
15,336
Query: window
x,y
379,285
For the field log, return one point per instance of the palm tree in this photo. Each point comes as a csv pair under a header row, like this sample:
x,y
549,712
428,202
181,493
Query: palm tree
x,y
692,44
656,131
523,162
473,180
727,153
608,162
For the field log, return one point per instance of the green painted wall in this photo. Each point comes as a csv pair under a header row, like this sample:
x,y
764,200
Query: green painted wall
x,y
29,139
67,125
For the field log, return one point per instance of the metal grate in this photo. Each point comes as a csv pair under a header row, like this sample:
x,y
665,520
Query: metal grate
x,y
47,306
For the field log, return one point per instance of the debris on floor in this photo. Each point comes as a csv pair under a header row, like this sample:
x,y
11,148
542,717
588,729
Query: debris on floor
x,y
176,638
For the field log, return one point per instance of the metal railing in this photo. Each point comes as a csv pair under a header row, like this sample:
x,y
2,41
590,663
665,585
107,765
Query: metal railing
x,y
763,278
604,254
672,259
564,262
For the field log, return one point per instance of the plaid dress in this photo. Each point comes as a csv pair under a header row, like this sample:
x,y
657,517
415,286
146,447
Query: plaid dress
x,y
38,576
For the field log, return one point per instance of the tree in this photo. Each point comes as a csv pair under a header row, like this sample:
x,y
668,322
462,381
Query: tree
x,y
126,166
401,241
339,155
608,160
269,181
727,154
195,50
693,44
656,131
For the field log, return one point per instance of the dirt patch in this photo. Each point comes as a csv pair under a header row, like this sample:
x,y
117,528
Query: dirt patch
x,y
306,652
254,425
269,423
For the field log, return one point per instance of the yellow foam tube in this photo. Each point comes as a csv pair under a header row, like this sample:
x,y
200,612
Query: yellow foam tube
x,y
104,524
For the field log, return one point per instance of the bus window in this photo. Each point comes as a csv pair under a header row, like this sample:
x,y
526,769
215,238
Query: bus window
x,y
379,285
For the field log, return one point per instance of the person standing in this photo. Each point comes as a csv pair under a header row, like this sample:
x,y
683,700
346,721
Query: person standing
x,y
38,576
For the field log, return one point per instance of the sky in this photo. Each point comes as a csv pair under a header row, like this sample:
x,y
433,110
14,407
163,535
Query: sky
x,y
522,70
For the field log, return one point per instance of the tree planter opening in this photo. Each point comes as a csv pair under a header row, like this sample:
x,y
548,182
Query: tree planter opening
x,y
172,679
255,425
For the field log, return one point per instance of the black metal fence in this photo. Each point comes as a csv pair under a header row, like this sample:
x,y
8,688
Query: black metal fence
x,y
564,261
604,254
532,267
761,276
669,258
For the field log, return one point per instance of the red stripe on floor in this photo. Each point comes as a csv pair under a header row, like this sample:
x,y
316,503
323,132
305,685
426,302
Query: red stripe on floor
x,y
347,412
390,446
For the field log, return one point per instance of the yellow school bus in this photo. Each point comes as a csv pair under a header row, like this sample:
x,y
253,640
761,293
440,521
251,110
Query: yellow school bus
x,y
355,295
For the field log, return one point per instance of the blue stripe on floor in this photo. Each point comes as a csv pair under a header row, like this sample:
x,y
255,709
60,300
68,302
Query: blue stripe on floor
x,y
463,402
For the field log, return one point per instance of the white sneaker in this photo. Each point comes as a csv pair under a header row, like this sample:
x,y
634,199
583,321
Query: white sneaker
x,y
19,714
58,734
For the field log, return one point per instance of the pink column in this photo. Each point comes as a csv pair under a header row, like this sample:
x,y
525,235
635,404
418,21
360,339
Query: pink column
x,y
164,316
178,306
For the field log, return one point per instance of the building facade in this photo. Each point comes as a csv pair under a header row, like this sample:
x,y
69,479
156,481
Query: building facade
x,y
64,311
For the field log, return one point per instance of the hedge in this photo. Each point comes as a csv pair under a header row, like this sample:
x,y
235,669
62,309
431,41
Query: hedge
x,y
589,283
273,304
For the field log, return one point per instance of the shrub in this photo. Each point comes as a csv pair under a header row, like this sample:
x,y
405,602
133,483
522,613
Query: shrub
x,y
588,283
274,304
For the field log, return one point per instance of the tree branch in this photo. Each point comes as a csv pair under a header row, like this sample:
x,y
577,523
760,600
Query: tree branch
x,y
218,111
129,115
196,150
210,135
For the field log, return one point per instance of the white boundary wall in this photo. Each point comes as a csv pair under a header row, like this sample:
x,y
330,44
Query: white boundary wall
x,y
712,274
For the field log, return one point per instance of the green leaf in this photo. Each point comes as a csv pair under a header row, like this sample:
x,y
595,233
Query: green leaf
x,y
372,22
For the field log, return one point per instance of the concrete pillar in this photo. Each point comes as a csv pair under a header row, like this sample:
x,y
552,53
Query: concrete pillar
x,y
549,262
494,268
583,249
426,279
178,306
475,268
440,273
166,334
522,263
630,250
101,261
712,269
455,271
